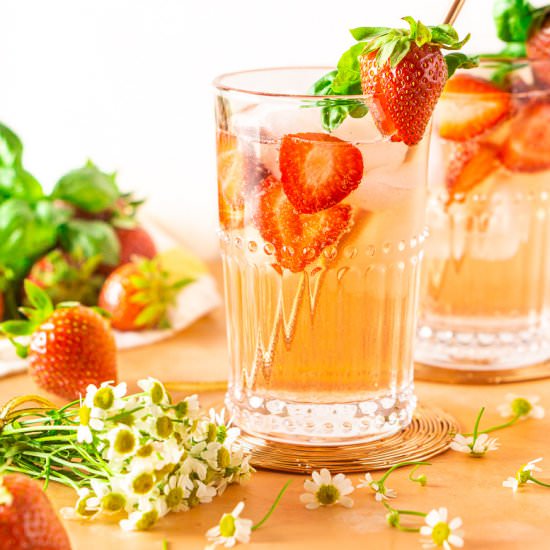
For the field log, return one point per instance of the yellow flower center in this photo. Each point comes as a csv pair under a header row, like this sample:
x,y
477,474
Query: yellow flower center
x,y
212,432
224,459
82,507
143,483
181,409
104,398
125,442
113,502
440,533
84,415
227,526
164,426
145,451
327,494
174,497
157,393
147,520
521,407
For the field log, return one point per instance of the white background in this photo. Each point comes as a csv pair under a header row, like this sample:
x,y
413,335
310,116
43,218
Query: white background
x,y
127,82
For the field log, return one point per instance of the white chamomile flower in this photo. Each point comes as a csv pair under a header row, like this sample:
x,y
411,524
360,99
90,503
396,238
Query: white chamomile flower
x,y
155,389
104,397
441,533
324,490
522,475
140,482
205,493
111,501
123,442
482,444
141,520
176,490
381,491
194,465
207,452
231,529
522,407
87,506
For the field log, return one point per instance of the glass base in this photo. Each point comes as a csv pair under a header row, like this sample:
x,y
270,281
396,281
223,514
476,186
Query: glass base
x,y
322,424
510,347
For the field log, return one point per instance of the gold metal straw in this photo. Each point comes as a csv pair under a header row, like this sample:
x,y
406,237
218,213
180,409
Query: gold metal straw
x,y
453,12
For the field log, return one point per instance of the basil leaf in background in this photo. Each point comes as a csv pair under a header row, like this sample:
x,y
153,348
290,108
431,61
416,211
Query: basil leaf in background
x,y
91,238
88,188
513,19
42,231
361,33
18,183
457,60
11,148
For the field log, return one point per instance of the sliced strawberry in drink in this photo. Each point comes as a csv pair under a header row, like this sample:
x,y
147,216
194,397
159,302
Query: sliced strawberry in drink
x,y
538,49
470,163
469,106
298,239
318,170
230,180
527,148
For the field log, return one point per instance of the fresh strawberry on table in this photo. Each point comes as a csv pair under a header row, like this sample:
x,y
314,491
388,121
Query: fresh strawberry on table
x,y
318,170
470,106
68,277
69,347
401,71
527,148
298,239
27,518
138,295
135,241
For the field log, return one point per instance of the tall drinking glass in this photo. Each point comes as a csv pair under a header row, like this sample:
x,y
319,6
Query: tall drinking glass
x,y
486,279
321,240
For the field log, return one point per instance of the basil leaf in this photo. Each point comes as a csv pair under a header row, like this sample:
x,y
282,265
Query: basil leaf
x,y
457,60
11,148
513,19
323,86
361,33
18,183
91,238
88,188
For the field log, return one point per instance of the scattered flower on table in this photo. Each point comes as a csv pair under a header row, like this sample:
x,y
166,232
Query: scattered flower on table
x,y
440,532
524,475
325,490
476,448
517,406
381,491
231,529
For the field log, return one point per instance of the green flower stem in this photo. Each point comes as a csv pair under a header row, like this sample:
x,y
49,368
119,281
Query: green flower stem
x,y
74,466
39,429
273,506
541,483
400,465
121,415
511,422
400,513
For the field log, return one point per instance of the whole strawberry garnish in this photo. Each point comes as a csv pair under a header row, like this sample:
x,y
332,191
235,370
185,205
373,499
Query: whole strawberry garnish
x,y
69,347
318,170
27,518
137,295
68,277
298,239
135,241
401,71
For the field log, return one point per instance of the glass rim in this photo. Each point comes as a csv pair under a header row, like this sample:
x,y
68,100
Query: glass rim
x,y
220,86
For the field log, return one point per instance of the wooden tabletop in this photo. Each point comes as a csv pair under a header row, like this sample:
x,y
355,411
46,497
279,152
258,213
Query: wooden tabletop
x,y
470,488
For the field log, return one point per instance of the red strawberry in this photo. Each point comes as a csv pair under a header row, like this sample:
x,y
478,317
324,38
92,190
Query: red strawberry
x,y
67,277
137,295
69,348
27,518
135,241
318,170
470,163
403,97
239,172
469,106
298,238
538,49
527,148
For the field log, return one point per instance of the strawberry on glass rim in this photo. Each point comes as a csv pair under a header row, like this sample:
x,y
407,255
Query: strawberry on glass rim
x,y
402,73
